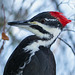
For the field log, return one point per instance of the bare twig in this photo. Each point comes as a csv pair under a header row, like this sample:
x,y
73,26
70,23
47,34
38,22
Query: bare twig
x,y
67,44
4,18
68,30
2,47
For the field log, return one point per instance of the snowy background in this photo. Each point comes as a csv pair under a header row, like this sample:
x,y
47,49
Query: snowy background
x,y
25,9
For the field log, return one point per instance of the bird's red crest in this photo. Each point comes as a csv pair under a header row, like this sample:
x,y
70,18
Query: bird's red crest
x,y
61,18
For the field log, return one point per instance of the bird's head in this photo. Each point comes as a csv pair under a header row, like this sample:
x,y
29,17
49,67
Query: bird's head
x,y
46,25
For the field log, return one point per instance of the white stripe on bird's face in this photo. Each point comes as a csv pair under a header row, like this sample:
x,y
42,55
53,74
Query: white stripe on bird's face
x,y
51,19
51,30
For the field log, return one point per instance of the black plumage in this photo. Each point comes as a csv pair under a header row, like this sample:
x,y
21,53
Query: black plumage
x,y
42,63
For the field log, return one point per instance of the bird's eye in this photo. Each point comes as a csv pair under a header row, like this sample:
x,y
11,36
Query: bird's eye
x,y
42,21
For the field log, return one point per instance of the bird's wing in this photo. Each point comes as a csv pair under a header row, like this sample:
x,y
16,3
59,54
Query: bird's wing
x,y
16,61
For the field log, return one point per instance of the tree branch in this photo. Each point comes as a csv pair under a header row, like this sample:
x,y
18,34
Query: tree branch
x,y
67,44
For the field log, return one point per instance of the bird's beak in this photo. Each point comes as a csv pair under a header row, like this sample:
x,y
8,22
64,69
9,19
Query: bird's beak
x,y
19,23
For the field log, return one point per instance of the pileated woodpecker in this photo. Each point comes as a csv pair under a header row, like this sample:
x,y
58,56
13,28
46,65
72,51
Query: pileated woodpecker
x,y
33,55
